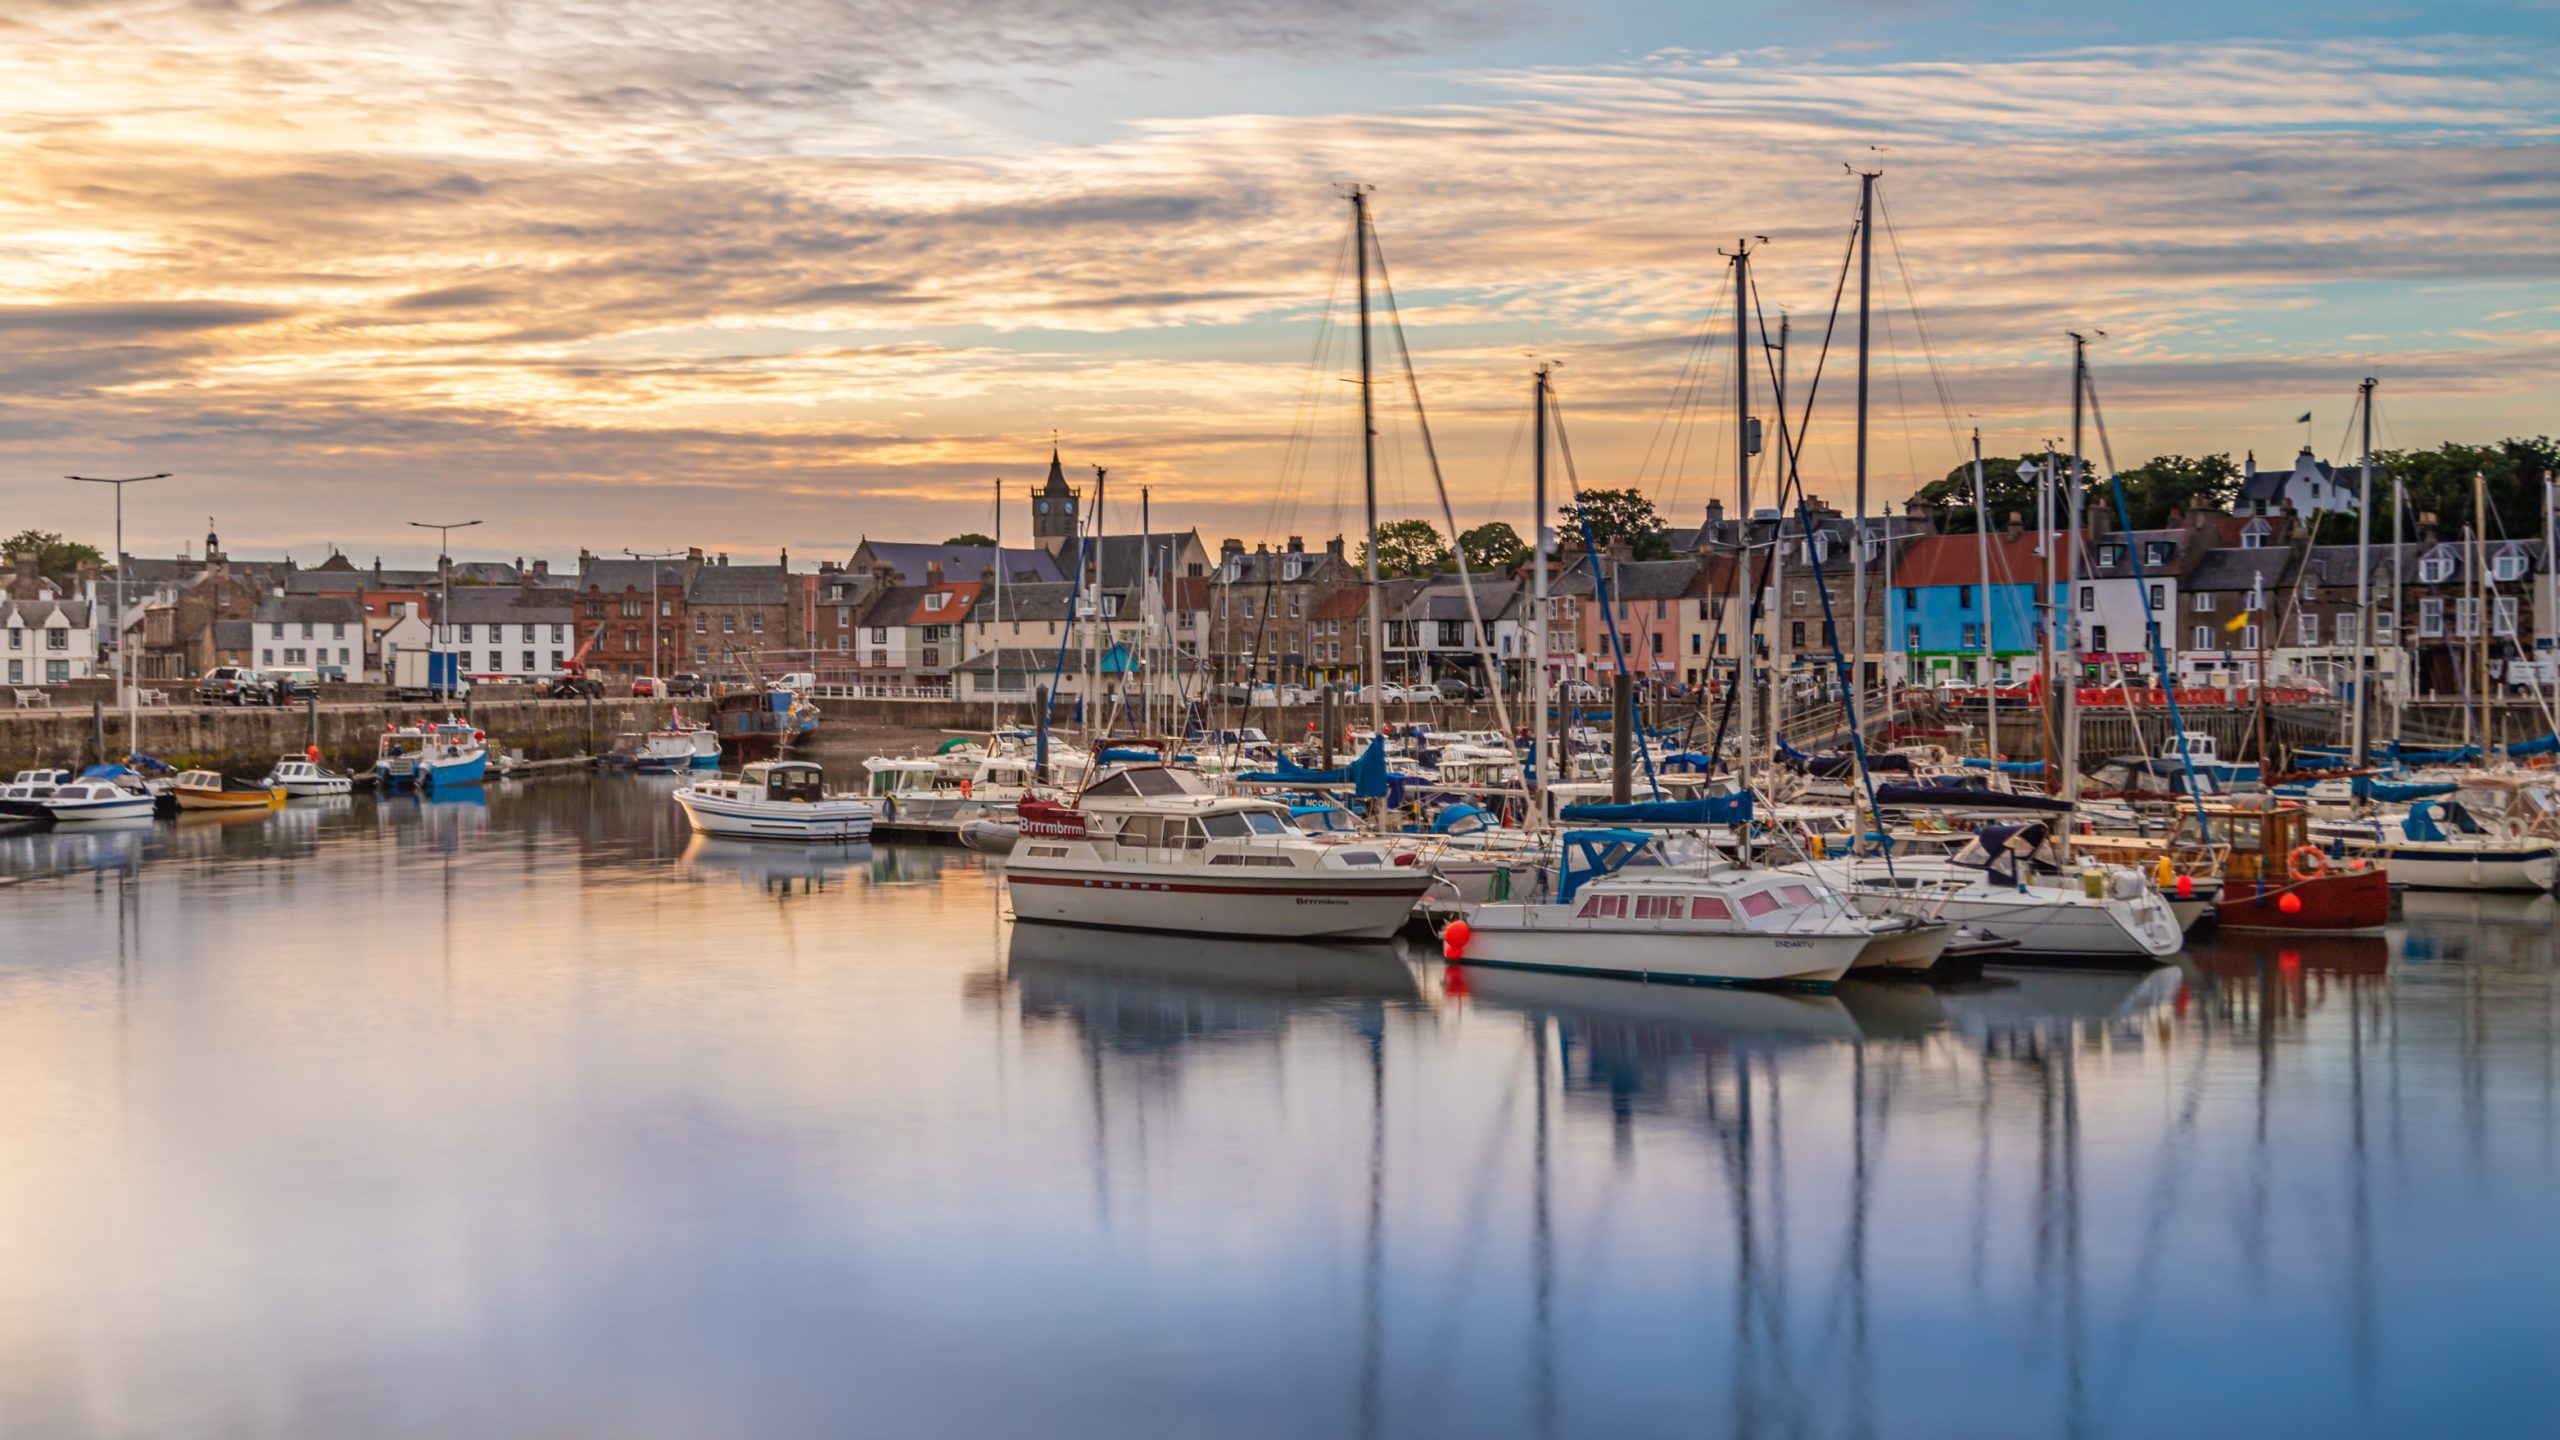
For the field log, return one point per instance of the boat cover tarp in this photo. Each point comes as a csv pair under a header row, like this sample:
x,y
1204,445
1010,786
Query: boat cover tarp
x,y
2463,756
1367,776
1996,849
1967,797
1835,766
2421,824
2005,767
2546,745
1687,760
2402,791
1712,810
2320,757
1591,854
1460,819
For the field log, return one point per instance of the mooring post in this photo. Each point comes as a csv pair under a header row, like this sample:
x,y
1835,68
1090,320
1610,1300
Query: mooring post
x,y
98,729
1622,747
1328,722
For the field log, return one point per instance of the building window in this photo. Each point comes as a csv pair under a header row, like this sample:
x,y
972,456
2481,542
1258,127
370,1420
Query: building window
x,y
755,622
2430,618
1911,638
2098,638
2156,553
2309,624
460,632
1796,637
935,601
2088,597
2159,598
1964,597
57,639
2509,566
2249,638
1972,637
277,630
2204,638
879,634
2348,624
728,624
266,657
2502,615
528,661
880,658
631,608
56,671
2253,536
2435,569
844,643
2110,556
297,657
701,624
2466,617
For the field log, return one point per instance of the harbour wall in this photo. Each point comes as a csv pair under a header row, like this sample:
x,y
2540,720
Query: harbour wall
x,y
246,740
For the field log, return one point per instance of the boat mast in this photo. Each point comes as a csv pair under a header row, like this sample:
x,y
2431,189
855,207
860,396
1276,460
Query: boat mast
x,y
1146,613
2364,579
1369,466
1744,670
2480,592
1858,550
2071,575
2045,615
1742,471
1093,626
1541,755
1990,662
2399,621
995,631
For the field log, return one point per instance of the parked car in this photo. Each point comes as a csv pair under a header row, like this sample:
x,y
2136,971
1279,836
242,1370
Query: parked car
x,y
686,682
290,685
234,685
798,682
648,687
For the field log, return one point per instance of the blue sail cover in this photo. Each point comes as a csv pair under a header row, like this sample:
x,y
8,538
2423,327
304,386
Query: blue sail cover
x,y
2463,756
2005,767
2321,757
2547,745
1967,797
2400,791
1367,776
1713,810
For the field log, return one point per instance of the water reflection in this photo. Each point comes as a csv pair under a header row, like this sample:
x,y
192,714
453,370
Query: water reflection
x,y
428,1117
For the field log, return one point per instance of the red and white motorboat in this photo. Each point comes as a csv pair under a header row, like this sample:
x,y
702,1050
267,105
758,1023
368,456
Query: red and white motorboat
x,y
1151,848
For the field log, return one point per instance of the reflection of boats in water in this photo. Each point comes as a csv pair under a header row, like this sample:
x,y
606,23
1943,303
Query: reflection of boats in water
x,y
778,869
2245,952
1726,1013
98,845
1267,967
2008,1001
2483,908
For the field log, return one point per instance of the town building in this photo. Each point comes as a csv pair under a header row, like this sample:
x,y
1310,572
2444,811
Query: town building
x,y
511,632
742,621
634,613
2311,487
47,642
323,633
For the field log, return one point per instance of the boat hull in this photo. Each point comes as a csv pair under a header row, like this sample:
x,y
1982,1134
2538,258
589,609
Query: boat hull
x,y
230,799
1914,948
828,820
1301,905
1660,954
2052,930
314,789
75,812
444,773
2339,901
2431,867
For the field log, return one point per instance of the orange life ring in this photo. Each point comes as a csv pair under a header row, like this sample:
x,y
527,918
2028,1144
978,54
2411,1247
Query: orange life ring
x,y
2294,864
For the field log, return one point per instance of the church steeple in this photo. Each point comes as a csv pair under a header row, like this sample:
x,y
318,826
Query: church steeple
x,y
1053,507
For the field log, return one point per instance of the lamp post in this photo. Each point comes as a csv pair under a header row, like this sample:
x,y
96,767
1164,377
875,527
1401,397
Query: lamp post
x,y
444,568
653,557
124,684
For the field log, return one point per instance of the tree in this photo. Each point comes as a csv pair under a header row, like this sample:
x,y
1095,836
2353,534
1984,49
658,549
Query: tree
x,y
2004,492
1610,515
972,538
1408,547
59,560
2151,490
1492,548
2439,483
2171,482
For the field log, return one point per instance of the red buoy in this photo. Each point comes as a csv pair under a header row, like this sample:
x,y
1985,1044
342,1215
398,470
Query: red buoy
x,y
2186,887
1453,941
2289,903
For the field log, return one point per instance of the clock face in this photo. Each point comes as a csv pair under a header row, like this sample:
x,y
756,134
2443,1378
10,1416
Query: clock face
x,y
1041,508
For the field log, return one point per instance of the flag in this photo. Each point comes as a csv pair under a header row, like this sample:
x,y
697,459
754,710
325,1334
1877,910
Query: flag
x,y
2305,420
2237,623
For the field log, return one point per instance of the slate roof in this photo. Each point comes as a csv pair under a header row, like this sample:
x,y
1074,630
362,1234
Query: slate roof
x,y
506,605
36,614
1447,600
2131,548
740,585
233,635
959,562
1649,579
1266,567
613,577
2227,568
313,609
1119,556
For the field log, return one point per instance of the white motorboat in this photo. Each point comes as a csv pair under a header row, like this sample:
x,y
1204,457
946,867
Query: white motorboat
x,y
775,800
23,797
91,799
2423,854
2006,882
302,779
1623,910
1148,847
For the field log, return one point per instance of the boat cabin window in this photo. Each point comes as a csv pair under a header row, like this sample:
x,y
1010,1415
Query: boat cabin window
x,y
795,784
1758,902
1226,827
1659,907
1604,907
1797,894
1708,907
1266,823
1151,782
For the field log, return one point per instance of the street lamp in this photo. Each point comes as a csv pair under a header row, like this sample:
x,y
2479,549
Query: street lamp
x,y
653,557
444,564
124,684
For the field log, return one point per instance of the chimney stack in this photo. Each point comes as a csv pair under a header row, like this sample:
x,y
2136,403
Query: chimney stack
x,y
2017,524
1297,545
1333,547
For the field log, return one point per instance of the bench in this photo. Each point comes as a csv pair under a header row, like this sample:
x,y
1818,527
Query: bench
x,y
145,696
31,699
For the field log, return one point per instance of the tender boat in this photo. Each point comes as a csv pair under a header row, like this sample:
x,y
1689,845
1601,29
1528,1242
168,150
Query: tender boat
x,y
23,798
1148,847
1623,910
775,800
212,790
2454,853
2275,879
664,752
95,798
431,756
302,778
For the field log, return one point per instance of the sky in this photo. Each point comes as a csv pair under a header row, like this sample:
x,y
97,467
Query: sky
x,y
779,274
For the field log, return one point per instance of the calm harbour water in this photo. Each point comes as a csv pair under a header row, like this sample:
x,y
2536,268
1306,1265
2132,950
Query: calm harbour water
x,y
532,1115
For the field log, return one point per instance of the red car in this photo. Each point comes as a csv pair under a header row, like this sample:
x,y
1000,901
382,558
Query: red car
x,y
648,687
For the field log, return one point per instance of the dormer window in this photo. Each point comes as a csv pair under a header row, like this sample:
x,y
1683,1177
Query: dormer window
x,y
2110,556
2509,567
2436,569
1293,567
2253,536
2156,552
935,601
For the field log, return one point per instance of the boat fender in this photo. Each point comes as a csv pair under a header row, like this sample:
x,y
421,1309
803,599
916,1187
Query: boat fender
x,y
2305,862
2166,874
2127,884
964,789
1453,941
2093,884
2289,903
2186,887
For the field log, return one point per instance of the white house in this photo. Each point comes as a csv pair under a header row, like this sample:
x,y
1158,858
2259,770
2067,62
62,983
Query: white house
x,y
309,632
2128,586
2310,487
512,632
404,631
46,642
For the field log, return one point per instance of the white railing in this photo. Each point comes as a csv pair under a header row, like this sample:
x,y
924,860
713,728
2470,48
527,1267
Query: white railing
x,y
882,691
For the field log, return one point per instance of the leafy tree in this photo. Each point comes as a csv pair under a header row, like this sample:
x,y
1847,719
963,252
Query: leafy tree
x,y
1612,515
2004,493
59,560
2439,482
2151,490
2171,482
972,538
1492,548
1407,547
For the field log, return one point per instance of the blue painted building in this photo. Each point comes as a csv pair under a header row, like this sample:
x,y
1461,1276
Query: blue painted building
x,y
1938,608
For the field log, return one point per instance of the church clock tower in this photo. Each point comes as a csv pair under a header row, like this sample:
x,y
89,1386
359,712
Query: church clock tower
x,y
1053,509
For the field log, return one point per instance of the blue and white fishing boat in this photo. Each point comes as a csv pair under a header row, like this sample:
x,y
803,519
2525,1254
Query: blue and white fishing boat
x,y
2451,851
431,757
2197,751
